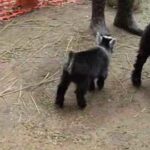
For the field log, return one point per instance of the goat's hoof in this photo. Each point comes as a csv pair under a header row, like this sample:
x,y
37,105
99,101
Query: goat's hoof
x,y
91,86
91,89
82,106
100,87
59,104
136,80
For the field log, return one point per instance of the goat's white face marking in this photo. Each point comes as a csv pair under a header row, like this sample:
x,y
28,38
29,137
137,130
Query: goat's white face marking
x,y
107,37
112,43
99,39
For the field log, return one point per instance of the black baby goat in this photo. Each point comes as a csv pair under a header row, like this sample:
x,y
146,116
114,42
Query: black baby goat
x,y
143,54
83,68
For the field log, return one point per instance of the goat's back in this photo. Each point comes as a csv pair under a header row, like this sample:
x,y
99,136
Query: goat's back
x,y
90,62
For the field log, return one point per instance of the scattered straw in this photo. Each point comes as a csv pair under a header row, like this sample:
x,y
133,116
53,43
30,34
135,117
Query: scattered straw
x,y
20,117
46,80
142,111
4,100
46,76
20,94
24,104
6,26
8,89
7,92
120,45
43,47
122,85
33,100
4,77
68,45
129,62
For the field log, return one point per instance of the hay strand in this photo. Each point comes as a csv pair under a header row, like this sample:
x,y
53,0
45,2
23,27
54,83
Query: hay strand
x,y
33,100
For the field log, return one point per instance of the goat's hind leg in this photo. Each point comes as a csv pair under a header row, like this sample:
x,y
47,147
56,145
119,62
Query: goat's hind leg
x,y
62,88
81,90
100,82
101,79
92,85
136,74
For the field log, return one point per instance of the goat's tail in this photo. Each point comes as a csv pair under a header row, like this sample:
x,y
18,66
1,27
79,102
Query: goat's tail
x,y
69,65
71,54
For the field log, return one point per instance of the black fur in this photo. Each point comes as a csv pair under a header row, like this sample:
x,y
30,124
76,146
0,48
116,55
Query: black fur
x,y
143,54
83,68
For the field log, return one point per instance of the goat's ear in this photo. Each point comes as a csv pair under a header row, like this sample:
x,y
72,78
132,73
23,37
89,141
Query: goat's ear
x,y
99,38
112,42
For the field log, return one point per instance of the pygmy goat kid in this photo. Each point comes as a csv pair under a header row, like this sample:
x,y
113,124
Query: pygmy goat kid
x,y
83,68
143,54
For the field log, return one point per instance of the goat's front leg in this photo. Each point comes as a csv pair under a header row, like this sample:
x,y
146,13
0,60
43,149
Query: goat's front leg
x,y
62,88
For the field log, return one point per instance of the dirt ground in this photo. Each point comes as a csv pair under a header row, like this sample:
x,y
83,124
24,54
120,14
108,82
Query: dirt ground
x,y
32,52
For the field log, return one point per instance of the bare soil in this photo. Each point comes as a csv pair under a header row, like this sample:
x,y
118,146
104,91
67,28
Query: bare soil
x,y
32,52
